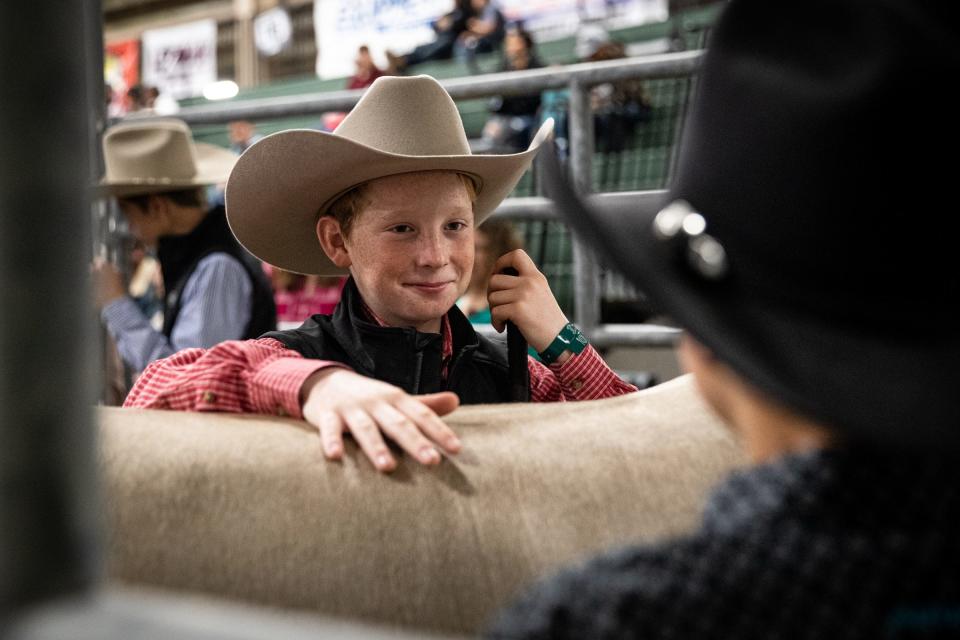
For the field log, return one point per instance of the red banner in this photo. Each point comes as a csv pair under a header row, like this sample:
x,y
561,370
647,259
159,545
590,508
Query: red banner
x,y
121,70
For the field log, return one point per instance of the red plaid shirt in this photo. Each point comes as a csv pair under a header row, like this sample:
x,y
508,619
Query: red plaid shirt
x,y
263,376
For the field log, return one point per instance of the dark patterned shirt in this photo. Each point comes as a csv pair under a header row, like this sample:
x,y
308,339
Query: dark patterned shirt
x,y
827,544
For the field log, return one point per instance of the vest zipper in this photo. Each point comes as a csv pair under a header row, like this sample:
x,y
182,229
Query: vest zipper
x,y
418,365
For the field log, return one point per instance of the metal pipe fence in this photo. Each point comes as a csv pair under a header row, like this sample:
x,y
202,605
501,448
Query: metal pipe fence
x,y
578,80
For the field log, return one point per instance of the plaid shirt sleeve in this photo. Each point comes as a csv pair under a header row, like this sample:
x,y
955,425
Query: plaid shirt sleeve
x,y
251,376
584,376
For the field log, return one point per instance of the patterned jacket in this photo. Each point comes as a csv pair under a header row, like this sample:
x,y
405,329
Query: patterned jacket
x,y
828,544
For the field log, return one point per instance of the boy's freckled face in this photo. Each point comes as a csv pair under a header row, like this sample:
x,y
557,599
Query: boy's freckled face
x,y
411,247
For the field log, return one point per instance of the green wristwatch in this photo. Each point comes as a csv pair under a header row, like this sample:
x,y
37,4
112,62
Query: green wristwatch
x,y
569,339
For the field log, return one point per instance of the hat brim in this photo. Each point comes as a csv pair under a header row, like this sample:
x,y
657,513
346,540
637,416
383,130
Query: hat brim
x,y
281,185
812,362
214,165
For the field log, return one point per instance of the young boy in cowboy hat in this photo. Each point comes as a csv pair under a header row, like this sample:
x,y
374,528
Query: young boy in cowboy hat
x,y
214,290
805,215
393,197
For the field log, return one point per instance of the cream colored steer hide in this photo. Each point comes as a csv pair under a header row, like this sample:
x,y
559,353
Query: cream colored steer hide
x,y
245,506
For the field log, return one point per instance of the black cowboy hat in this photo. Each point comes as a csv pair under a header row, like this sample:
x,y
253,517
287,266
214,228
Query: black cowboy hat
x,y
810,238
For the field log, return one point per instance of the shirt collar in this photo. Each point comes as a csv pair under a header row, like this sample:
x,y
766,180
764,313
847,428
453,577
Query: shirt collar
x,y
445,333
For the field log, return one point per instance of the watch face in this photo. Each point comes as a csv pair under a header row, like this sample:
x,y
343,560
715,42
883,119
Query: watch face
x,y
573,338
569,339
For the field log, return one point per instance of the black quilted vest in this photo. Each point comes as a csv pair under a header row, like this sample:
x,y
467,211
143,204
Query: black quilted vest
x,y
179,256
403,356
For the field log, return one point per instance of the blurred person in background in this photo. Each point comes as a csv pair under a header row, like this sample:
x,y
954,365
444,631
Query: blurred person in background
x,y
619,108
513,117
299,296
484,33
366,70
139,97
492,240
213,289
787,232
447,30
242,133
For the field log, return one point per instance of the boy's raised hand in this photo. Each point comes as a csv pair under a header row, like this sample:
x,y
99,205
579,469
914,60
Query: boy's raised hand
x,y
525,299
337,400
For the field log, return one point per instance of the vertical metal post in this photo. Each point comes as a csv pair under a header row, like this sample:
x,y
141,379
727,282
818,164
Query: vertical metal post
x,y
246,59
48,514
681,121
586,271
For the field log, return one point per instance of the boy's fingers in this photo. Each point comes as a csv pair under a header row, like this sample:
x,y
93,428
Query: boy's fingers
x,y
367,435
331,434
502,282
502,263
518,259
428,422
405,433
441,403
500,313
504,296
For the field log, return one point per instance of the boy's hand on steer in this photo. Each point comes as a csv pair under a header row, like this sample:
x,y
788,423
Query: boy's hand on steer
x,y
337,400
525,299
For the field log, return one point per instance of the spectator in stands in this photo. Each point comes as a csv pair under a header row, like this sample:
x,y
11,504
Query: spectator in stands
x,y
140,97
243,133
618,107
484,33
786,229
511,124
447,29
214,290
392,196
491,240
366,70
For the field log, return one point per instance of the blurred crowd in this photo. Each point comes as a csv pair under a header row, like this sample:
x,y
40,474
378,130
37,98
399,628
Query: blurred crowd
x,y
473,27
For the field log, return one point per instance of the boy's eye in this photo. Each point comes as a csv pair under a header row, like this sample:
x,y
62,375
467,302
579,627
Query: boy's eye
x,y
401,228
456,226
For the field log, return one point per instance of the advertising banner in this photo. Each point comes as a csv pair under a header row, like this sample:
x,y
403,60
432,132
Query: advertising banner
x,y
180,61
342,26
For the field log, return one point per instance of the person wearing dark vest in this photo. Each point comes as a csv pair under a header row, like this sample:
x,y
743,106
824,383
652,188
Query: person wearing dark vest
x,y
815,278
214,290
392,197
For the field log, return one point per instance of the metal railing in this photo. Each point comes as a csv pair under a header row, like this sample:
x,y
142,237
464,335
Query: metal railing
x,y
578,79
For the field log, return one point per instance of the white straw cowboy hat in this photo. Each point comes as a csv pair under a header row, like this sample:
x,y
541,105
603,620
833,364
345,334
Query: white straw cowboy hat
x,y
286,181
159,155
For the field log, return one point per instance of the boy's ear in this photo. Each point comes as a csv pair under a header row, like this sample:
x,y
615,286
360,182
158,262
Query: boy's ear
x,y
332,241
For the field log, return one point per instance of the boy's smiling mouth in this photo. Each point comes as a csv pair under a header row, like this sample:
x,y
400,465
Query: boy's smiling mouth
x,y
429,287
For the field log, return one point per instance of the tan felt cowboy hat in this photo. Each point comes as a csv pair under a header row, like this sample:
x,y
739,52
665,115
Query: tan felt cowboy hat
x,y
286,181
159,155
